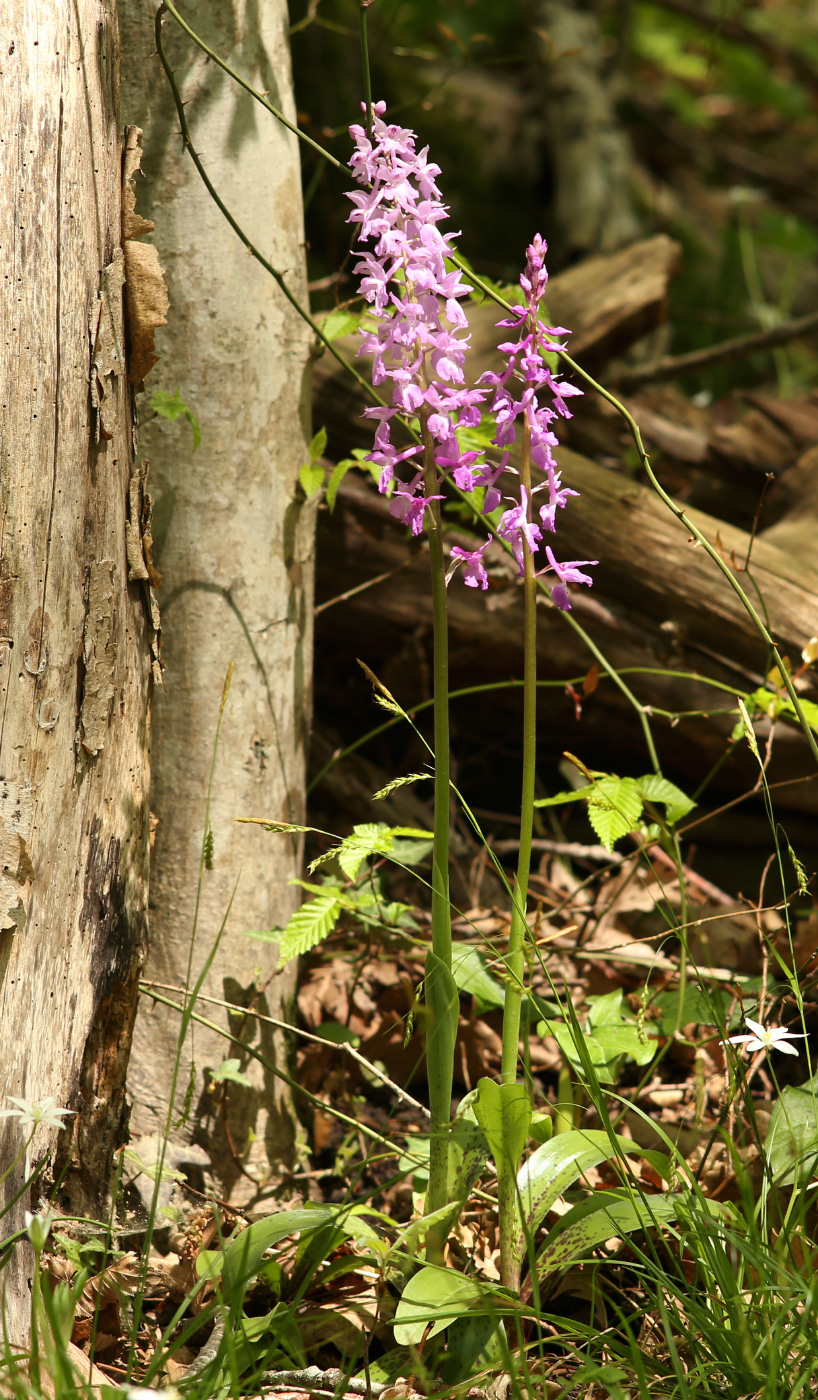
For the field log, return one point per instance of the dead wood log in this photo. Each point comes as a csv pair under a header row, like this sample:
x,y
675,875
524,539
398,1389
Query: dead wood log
x,y
659,603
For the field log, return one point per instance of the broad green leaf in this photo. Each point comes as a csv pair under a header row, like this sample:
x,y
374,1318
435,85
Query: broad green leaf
x,y
340,323
791,1146
676,802
606,1010
336,477
625,1040
596,1220
434,1296
473,977
310,925
209,1263
311,477
504,1113
229,1071
557,1165
406,852
243,1255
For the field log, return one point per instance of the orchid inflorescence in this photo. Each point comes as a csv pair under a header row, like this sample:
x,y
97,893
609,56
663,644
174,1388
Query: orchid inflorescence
x,y
420,345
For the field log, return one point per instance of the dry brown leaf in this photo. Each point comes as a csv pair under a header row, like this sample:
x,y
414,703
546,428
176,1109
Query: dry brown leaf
x,y
148,305
133,225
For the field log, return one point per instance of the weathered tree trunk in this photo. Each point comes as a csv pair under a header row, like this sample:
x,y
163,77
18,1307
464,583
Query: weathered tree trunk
x,y
74,632
234,544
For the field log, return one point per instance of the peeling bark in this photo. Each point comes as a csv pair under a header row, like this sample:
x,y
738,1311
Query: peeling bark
x,y
75,660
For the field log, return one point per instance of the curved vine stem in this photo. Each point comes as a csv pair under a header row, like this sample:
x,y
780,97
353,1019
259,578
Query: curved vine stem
x,y
672,506
260,97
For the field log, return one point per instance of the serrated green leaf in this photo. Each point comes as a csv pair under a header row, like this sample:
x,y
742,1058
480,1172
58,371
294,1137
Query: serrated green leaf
x,y
311,478
570,795
656,789
310,925
341,323
318,446
614,808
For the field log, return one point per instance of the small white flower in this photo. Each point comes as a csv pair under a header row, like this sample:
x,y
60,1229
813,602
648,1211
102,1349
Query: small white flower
x,y
32,1114
775,1038
38,1227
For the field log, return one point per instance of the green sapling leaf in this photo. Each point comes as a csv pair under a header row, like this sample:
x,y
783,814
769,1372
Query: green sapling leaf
x,y
173,406
318,446
229,1072
310,925
656,789
340,323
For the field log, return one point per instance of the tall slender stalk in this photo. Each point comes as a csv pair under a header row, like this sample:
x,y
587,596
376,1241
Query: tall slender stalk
x,y
441,991
516,939
515,957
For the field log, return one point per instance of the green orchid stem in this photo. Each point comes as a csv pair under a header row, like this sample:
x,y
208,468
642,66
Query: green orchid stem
x,y
442,1001
516,938
515,957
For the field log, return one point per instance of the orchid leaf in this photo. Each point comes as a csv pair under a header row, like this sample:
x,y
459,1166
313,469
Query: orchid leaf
x,y
504,1113
435,1296
791,1146
553,1168
599,1218
473,977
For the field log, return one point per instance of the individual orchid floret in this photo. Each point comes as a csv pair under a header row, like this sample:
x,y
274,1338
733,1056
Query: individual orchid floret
x,y
567,573
764,1038
411,509
520,532
474,570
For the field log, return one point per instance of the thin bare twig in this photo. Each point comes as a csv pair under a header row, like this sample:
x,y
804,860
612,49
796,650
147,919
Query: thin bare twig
x,y
305,1035
670,366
